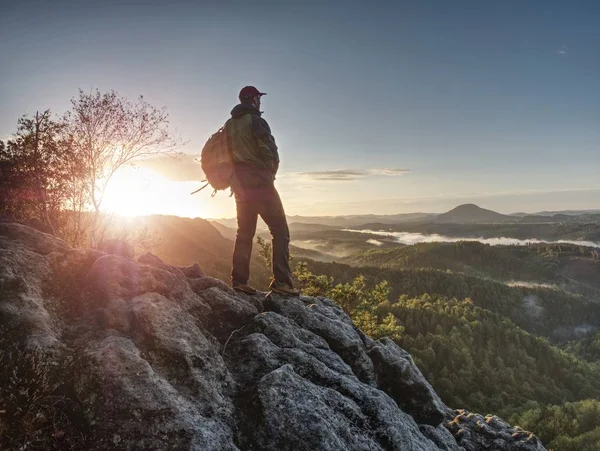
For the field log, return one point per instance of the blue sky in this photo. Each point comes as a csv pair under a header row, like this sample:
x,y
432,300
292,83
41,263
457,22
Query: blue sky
x,y
492,102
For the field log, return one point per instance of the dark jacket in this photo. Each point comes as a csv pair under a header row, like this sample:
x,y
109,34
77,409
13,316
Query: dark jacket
x,y
252,146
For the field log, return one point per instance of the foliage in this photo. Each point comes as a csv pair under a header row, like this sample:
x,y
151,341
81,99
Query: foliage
x,y
39,172
587,348
36,410
543,310
265,251
482,360
55,171
573,426
358,301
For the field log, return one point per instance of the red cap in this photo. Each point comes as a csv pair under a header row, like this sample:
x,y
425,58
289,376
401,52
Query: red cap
x,y
250,91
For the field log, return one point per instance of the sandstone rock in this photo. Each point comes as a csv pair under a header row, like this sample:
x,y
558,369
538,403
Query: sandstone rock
x,y
442,438
33,240
399,377
278,364
112,276
474,432
134,407
192,271
39,225
330,322
150,356
297,414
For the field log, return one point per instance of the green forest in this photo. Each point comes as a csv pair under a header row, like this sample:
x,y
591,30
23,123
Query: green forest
x,y
572,426
485,342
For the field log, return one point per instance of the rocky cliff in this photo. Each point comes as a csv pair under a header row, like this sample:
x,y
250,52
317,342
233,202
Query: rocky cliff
x,y
101,352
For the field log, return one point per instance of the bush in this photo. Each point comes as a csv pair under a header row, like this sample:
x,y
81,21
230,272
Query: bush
x,y
36,410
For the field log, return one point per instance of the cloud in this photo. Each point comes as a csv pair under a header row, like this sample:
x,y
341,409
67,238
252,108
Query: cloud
x,y
340,174
532,307
390,172
414,238
350,174
182,168
562,50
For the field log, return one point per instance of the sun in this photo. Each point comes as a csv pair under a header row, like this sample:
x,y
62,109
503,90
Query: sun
x,y
140,191
128,192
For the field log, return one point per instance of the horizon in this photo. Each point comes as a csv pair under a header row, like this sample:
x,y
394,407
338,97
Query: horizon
x,y
416,212
403,108
432,213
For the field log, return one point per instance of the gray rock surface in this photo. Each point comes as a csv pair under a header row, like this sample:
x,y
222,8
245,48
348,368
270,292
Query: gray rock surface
x,y
441,436
475,432
142,355
398,376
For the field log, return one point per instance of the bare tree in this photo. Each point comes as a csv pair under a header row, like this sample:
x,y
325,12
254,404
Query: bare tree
x,y
110,132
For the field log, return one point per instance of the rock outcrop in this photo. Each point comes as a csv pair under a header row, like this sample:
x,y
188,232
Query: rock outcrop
x,y
99,352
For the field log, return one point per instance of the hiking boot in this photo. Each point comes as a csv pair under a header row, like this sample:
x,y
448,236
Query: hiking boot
x,y
284,288
243,288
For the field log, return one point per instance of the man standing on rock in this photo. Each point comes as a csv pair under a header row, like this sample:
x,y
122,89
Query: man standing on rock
x,y
256,162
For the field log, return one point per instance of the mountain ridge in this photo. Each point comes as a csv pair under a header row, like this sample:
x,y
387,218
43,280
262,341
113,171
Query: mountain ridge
x,y
342,221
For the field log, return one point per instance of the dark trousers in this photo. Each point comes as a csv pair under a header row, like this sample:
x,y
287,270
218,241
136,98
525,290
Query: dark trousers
x,y
250,203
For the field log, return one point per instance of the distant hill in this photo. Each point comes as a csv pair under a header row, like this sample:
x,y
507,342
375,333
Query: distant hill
x,y
463,214
472,213
339,221
301,252
227,232
182,241
304,227
568,212
354,220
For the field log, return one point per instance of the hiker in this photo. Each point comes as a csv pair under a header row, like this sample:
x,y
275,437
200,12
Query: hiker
x,y
256,161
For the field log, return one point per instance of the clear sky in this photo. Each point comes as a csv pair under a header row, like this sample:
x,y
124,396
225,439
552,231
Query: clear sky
x,y
377,107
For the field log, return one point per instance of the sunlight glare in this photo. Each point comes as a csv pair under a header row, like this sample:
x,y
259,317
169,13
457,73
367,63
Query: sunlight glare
x,y
141,191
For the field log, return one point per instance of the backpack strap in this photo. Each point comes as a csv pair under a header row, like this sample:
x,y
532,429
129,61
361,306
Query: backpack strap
x,y
200,189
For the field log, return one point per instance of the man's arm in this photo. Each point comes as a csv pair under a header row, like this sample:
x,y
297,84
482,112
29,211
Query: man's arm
x,y
266,142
